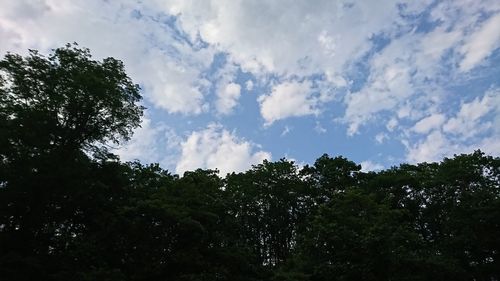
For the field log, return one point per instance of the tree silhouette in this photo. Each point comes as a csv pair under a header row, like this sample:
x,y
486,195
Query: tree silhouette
x,y
70,210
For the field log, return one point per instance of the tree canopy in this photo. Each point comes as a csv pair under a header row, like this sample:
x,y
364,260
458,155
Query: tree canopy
x,y
65,100
66,214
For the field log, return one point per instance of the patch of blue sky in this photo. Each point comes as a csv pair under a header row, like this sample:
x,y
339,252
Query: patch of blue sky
x,y
358,71
422,22
485,74
171,25
136,14
469,85
219,60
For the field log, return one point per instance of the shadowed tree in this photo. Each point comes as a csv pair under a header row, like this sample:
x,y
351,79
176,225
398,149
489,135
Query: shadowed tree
x,y
53,111
331,175
65,100
69,210
270,203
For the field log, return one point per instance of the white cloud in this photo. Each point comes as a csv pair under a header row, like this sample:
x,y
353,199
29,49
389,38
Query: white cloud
x,y
489,145
402,79
392,124
319,129
463,13
414,67
437,145
428,123
249,85
467,122
389,85
368,166
166,66
331,35
433,148
288,99
227,98
433,45
149,143
381,137
215,147
461,133
285,131
481,43
173,86
404,111
304,56
304,38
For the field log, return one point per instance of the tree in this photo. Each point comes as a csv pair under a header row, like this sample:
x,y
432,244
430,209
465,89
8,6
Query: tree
x,y
65,100
270,204
453,207
55,110
331,175
353,237
66,213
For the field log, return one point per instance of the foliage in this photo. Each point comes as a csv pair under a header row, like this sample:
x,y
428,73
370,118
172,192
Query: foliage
x,y
65,100
68,215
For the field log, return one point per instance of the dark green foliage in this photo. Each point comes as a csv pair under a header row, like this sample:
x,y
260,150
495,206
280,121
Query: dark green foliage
x,y
71,211
65,100
270,203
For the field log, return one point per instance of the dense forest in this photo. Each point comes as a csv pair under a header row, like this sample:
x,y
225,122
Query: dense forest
x,y
71,210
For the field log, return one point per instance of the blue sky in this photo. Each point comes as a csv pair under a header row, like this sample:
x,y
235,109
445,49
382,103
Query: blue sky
x,y
229,83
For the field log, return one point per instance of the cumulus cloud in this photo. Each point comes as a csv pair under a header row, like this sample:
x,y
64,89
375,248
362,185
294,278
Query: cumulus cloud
x,y
249,85
291,98
434,147
437,145
227,98
216,147
404,70
329,38
474,126
381,137
368,166
417,66
371,58
467,122
237,27
392,124
168,67
175,87
149,144
388,87
169,55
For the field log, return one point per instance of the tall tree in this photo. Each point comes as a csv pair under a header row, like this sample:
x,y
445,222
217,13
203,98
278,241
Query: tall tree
x,y
330,175
55,110
66,100
270,203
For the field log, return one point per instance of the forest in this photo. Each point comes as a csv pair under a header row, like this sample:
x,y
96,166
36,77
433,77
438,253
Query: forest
x,y
71,210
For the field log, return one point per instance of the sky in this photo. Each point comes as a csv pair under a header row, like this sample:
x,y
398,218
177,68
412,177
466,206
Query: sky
x,y
229,83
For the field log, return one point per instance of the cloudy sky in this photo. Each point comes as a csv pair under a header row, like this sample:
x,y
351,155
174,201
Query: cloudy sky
x,y
228,83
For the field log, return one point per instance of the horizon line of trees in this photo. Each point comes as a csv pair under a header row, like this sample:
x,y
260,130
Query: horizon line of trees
x,y
71,210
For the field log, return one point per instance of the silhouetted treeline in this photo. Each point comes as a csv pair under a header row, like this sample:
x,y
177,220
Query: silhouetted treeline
x,y
70,210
